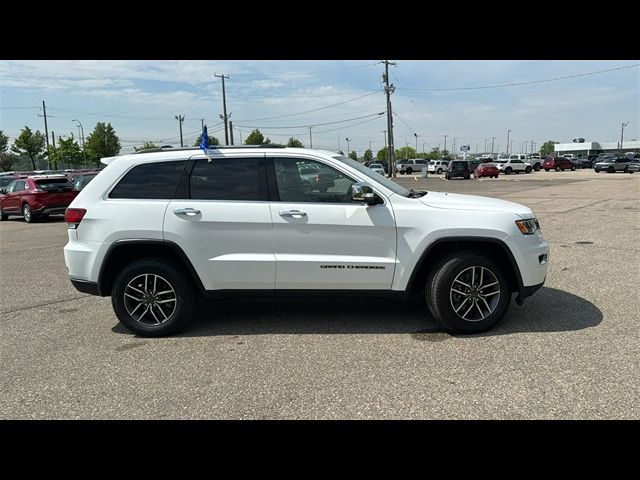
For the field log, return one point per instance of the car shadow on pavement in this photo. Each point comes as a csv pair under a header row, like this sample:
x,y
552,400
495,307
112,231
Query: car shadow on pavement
x,y
549,310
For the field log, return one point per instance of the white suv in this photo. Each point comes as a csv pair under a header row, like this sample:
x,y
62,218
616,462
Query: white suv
x,y
515,163
157,230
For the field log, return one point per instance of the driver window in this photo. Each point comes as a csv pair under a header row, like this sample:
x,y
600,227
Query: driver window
x,y
301,180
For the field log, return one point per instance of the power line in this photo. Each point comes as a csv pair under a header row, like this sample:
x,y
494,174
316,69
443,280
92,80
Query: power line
x,y
313,124
523,83
416,107
309,111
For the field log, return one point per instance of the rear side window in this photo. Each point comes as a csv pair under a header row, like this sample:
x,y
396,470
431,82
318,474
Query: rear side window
x,y
229,179
150,181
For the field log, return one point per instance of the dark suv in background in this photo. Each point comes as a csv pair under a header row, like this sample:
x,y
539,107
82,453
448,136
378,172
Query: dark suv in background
x,y
458,168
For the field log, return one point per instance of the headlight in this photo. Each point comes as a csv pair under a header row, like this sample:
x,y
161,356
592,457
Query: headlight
x,y
528,226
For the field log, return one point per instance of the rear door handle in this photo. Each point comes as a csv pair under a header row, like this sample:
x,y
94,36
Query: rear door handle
x,y
190,212
293,213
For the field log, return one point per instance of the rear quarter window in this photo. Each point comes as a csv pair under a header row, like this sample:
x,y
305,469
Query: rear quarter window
x,y
156,180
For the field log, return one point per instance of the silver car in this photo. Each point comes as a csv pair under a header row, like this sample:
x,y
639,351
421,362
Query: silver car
x,y
378,168
613,164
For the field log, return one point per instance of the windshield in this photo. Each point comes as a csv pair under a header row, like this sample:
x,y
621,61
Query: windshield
x,y
382,180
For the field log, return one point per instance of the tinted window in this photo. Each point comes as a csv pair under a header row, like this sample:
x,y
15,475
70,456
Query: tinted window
x,y
152,180
54,184
20,185
295,184
4,181
228,179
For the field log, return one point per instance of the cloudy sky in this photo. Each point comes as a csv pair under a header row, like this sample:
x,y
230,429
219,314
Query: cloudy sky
x,y
466,100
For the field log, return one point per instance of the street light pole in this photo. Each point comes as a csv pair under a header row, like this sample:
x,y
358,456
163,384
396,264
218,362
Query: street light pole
x,y
84,152
347,146
508,133
622,134
416,135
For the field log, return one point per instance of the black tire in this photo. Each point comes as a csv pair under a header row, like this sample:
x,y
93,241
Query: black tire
x,y
409,171
536,167
439,171
175,277
508,170
546,169
5,216
527,170
467,177
558,168
439,295
597,171
611,170
26,213
626,169
573,168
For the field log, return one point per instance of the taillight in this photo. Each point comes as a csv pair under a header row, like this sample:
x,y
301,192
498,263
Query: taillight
x,y
73,216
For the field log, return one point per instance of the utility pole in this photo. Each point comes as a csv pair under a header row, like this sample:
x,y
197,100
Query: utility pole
x,y
46,130
53,140
180,119
454,147
370,142
508,133
310,138
84,153
231,131
347,146
416,135
493,139
202,123
224,108
386,150
389,89
621,133
445,145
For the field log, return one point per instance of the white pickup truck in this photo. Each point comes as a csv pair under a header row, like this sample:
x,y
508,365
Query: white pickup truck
x,y
515,163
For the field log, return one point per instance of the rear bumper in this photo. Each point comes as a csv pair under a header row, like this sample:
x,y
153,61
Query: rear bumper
x,y
92,288
50,209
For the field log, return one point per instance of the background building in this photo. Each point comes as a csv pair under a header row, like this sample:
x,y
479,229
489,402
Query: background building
x,y
591,149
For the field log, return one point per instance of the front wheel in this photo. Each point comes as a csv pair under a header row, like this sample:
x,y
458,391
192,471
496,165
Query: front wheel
x,y
4,216
536,167
409,171
153,297
527,170
469,293
557,169
508,170
439,171
573,168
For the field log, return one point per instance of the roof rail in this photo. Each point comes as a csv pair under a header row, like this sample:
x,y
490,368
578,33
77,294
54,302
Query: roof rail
x,y
212,147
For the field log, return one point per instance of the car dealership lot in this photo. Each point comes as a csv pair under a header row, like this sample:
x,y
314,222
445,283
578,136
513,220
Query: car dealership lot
x,y
572,350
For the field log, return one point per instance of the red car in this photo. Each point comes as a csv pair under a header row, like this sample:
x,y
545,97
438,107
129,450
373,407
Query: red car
x,y
36,196
486,170
557,164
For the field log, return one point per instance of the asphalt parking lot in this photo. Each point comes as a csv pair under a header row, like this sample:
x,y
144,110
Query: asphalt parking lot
x,y
571,352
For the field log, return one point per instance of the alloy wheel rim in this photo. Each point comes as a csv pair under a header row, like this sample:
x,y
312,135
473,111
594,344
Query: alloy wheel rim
x,y
475,293
149,299
26,212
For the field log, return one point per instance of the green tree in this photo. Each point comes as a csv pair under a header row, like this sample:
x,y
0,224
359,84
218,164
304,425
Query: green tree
x,y
547,148
145,146
102,142
382,154
67,152
30,144
341,152
353,155
212,141
4,142
294,142
255,138
405,152
368,155
434,154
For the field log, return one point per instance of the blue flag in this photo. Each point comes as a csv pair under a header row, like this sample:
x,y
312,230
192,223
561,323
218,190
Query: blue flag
x,y
204,142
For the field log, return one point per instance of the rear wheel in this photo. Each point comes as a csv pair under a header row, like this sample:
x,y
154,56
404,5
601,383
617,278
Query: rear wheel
x,y
153,297
558,168
611,170
4,216
536,167
468,293
26,213
439,171
527,170
409,171
508,170
573,168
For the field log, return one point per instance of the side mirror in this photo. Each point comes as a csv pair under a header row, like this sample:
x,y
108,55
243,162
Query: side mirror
x,y
362,192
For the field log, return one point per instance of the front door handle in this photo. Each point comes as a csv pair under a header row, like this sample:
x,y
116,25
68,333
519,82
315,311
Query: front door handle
x,y
293,213
190,212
